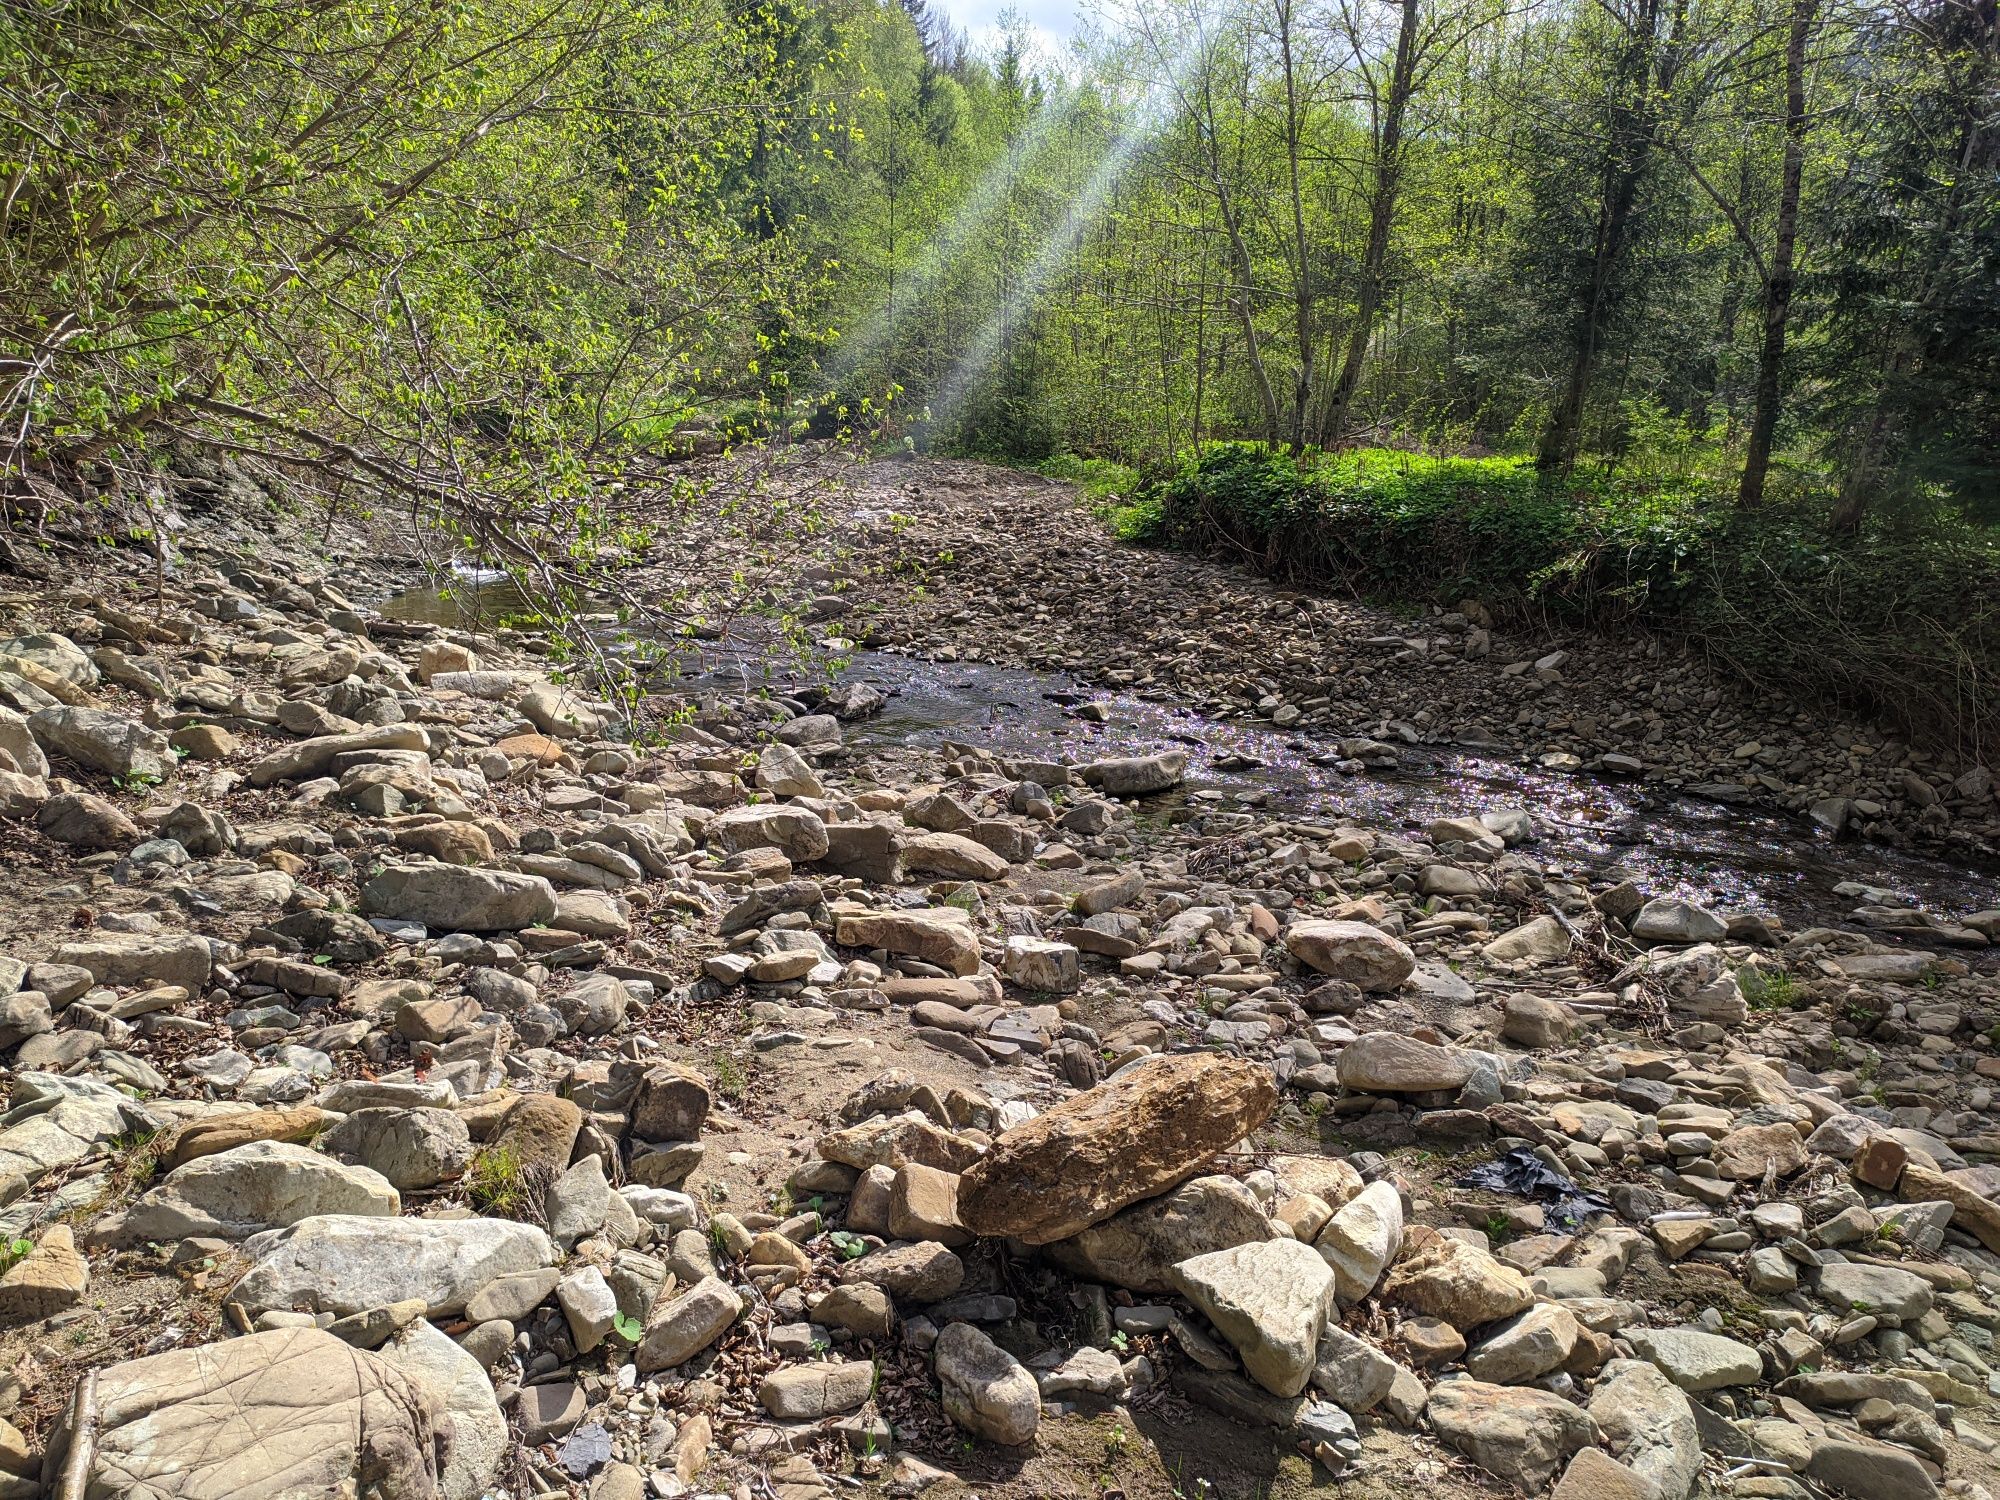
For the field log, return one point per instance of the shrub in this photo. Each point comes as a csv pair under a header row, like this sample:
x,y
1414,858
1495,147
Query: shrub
x,y
1904,626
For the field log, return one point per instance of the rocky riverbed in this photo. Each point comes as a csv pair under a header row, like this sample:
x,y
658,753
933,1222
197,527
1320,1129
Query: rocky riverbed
x,y
1176,1085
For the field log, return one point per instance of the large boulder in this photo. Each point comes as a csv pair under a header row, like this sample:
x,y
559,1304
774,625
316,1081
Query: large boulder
x,y
294,1414
457,898
795,832
235,1194
1147,1129
342,1263
1138,1247
1362,955
1137,775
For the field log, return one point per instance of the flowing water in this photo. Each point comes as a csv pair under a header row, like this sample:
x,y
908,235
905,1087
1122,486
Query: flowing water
x,y
1727,856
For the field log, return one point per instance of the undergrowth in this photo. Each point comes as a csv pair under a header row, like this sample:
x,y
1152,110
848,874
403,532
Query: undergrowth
x,y
1903,625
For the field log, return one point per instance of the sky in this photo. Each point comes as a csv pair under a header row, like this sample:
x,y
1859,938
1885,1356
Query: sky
x,y
1052,21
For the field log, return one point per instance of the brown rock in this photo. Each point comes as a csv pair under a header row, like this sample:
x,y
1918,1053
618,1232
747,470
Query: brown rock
x,y
540,1133
1968,1209
1879,1162
1130,1138
206,1137
672,1104
52,1277
923,1205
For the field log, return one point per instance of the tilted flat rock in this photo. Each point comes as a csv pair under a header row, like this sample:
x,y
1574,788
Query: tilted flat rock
x,y
341,1264
1132,1137
314,757
294,1414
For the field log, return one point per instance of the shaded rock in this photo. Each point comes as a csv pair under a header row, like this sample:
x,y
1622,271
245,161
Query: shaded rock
x,y
1384,1062
1138,1247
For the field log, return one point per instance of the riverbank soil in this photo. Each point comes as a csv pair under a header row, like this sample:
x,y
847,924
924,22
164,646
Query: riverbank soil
x,y
1044,1057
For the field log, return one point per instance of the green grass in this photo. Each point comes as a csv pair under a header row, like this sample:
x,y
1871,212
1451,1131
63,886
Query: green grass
x,y
495,1182
1111,488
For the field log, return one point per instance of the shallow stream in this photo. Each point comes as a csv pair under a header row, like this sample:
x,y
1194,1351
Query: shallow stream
x,y
1732,857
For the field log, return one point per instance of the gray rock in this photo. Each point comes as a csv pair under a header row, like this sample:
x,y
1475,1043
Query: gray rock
x,y
1649,1425
342,1264
413,1148
104,742
1695,1360
478,1430
460,898
984,1388
246,1190
1269,1299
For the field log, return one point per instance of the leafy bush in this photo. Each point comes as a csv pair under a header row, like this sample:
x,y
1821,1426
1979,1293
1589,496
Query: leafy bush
x,y
1903,625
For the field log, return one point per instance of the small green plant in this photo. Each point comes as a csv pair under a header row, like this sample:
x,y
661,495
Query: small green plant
x,y
494,1182
730,1081
14,1252
848,1246
628,1328
1769,990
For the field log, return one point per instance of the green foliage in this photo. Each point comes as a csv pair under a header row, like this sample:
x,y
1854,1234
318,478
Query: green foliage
x,y
628,1328
1904,625
496,1184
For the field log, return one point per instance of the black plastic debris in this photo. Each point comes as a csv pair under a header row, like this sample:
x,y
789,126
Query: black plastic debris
x,y
1525,1175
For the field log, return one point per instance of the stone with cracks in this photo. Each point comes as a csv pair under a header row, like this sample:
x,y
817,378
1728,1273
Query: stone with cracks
x,y
1362,955
343,1264
1649,1425
293,1414
316,756
1133,1136
1525,1346
1270,1300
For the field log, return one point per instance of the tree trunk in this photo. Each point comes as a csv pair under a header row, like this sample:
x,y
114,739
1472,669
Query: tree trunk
x,y
1302,277
1381,215
1778,285
1628,149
